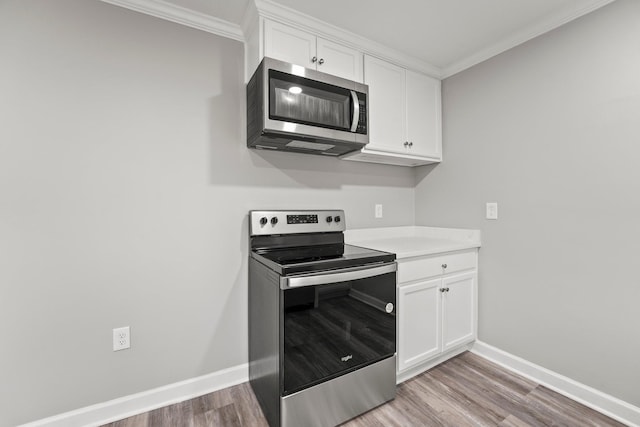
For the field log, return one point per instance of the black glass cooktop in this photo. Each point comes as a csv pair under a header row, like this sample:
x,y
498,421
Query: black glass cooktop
x,y
299,260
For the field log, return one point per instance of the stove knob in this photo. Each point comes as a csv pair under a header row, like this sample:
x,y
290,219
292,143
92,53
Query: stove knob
x,y
336,219
274,220
329,219
263,220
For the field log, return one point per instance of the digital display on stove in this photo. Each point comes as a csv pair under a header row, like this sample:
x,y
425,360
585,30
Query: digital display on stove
x,y
302,219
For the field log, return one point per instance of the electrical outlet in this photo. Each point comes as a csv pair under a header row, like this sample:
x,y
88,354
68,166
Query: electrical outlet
x,y
121,338
378,212
492,210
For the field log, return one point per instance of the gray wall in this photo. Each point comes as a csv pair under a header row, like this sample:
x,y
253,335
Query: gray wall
x,y
125,183
551,131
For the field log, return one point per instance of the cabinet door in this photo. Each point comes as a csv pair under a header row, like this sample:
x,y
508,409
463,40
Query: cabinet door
x,y
424,122
339,60
387,116
289,44
459,310
418,322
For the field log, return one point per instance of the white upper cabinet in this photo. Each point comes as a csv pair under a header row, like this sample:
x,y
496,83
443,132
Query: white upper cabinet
x,y
289,44
339,60
424,121
404,116
301,48
387,106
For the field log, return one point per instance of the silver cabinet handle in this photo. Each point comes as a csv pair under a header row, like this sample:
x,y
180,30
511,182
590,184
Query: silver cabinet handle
x,y
406,144
321,61
314,59
444,265
442,290
411,144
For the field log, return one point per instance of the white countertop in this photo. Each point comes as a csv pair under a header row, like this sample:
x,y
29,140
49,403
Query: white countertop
x,y
413,241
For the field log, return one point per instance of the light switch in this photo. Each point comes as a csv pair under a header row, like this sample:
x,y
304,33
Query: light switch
x,y
492,210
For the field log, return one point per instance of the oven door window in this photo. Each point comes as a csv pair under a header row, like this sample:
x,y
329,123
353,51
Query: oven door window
x,y
330,330
299,100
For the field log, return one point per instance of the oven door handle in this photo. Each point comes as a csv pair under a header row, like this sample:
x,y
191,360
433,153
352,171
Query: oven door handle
x,y
342,275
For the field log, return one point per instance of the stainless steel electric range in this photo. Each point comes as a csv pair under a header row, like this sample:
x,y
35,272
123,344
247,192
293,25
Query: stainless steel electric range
x,y
322,319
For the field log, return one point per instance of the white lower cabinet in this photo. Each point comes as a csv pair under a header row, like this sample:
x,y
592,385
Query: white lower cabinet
x,y
458,310
436,312
419,323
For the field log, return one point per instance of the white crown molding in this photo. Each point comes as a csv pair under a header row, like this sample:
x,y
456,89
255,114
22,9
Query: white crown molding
x,y
521,36
301,21
606,404
190,18
124,407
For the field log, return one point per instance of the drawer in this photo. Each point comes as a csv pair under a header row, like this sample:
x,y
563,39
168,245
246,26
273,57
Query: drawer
x,y
420,268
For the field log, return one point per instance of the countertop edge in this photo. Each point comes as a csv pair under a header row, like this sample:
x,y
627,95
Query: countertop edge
x,y
436,240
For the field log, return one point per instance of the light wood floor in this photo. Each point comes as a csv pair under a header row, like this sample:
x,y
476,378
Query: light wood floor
x,y
464,391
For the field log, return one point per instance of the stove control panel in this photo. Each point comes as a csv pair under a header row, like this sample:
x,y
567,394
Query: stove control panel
x,y
291,222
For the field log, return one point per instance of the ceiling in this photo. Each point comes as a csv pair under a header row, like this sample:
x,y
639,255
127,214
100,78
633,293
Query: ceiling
x,y
450,35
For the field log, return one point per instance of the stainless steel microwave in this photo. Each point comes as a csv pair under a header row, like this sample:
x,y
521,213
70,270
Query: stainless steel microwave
x,y
292,108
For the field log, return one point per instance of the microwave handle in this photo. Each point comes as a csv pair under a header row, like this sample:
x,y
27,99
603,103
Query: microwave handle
x,y
356,110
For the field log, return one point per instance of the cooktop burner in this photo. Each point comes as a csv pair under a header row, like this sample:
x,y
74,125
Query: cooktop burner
x,y
306,260
298,242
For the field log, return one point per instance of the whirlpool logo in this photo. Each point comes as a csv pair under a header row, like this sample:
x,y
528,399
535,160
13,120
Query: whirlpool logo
x,y
347,358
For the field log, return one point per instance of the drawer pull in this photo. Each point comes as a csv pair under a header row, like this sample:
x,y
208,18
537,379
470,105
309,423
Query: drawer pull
x,y
444,265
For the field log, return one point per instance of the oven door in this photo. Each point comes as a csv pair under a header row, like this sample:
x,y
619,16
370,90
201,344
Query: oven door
x,y
335,323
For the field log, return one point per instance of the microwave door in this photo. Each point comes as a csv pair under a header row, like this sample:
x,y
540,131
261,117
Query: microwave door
x,y
298,100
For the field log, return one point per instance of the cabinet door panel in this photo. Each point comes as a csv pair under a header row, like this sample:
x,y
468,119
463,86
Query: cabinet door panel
x,y
459,310
418,322
289,44
424,115
386,105
339,60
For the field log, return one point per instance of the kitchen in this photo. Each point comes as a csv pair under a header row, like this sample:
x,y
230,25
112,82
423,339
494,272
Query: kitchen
x,y
127,182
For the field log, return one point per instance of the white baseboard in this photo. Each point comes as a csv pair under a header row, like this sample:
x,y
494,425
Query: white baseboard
x,y
138,403
611,406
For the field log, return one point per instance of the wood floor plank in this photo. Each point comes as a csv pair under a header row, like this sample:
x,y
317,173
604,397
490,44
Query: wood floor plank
x,y
489,369
247,406
481,408
225,416
464,391
140,420
491,393
568,412
176,415
513,421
